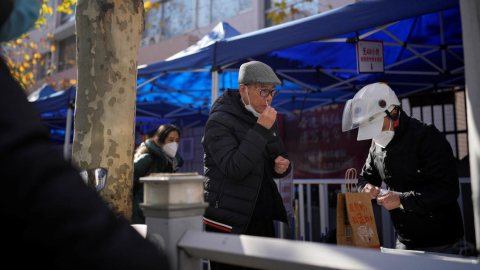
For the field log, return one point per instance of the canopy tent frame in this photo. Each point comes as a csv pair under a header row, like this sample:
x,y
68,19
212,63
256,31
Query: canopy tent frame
x,y
342,83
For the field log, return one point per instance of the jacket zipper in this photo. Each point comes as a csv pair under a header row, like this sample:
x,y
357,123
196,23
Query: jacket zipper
x,y
255,203
221,191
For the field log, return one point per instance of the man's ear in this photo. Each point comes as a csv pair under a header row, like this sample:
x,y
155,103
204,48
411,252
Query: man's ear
x,y
243,89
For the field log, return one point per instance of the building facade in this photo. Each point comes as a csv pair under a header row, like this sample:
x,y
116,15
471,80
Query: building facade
x,y
174,26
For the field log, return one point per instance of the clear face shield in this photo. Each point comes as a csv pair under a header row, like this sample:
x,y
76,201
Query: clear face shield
x,y
359,112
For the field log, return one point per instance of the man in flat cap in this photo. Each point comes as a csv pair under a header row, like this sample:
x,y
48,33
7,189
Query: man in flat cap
x,y
243,153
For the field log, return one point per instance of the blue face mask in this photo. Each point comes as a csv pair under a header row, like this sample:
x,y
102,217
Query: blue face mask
x,y
23,17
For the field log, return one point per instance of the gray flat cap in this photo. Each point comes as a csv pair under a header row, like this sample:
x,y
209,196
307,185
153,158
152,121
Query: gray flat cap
x,y
257,72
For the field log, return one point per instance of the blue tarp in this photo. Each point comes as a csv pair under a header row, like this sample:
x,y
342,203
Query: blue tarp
x,y
56,101
343,20
41,93
313,73
198,55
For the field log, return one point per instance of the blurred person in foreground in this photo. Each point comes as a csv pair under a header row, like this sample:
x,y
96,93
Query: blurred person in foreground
x,y
243,153
157,155
51,218
417,165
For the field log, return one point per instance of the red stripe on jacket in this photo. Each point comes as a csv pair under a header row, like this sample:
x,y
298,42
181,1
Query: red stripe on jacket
x,y
216,226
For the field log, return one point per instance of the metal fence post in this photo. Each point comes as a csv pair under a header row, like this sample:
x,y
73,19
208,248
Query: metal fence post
x,y
301,209
173,204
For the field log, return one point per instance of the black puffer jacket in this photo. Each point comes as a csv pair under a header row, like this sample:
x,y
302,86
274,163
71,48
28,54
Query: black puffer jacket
x,y
148,153
419,163
237,151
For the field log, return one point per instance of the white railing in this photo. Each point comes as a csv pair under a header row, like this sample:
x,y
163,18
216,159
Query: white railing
x,y
281,254
175,226
388,233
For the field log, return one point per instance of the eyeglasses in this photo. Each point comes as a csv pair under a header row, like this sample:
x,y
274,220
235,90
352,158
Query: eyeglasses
x,y
265,93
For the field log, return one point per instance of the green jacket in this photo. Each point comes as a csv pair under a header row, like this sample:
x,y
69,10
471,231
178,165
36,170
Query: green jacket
x,y
151,154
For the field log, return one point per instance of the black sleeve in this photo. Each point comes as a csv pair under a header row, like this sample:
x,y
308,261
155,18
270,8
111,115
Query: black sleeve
x,y
279,150
6,7
235,159
369,174
179,159
439,169
48,212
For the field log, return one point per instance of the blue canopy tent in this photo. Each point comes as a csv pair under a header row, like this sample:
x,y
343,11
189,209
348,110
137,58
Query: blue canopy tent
x,y
192,104
315,57
41,93
56,110
153,109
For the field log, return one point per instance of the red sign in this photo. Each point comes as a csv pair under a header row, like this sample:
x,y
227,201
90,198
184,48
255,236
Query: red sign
x,y
318,147
370,56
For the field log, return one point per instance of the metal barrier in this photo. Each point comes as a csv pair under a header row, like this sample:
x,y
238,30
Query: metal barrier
x,y
281,254
388,231
173,206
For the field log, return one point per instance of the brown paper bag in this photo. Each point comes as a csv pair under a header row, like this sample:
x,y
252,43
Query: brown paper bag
x,y
355,220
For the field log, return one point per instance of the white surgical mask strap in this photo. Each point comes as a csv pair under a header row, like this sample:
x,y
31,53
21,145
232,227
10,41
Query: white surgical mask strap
x,y
248,96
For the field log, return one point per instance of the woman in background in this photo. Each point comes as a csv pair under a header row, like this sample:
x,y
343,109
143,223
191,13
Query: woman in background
x,y
156,155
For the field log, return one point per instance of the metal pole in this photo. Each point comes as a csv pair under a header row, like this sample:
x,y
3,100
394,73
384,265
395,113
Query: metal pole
x,y
281,226
470,13
442,40
309,212
68,129
301,215
215,86
323,208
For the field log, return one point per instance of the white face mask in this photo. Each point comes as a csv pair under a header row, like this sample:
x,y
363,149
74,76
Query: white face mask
x,y
249,107
384,138
170,149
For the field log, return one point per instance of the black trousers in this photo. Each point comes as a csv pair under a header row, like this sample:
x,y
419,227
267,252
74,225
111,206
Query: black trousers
x,y
264,228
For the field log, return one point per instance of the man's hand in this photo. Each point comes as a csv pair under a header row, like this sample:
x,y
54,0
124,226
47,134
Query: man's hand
x,y
268,117
389,200
372,190
281,164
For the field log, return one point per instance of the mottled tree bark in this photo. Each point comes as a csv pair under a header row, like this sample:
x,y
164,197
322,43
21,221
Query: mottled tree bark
x,y
108,37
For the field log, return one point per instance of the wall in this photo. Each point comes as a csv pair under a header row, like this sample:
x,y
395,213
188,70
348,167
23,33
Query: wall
x,y
196,164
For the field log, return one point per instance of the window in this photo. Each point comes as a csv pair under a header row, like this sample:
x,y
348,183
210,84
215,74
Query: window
x,y
67,54
303,9
187,148
65,18
177,17
447,111
43,65
174,18
211,11
153,23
